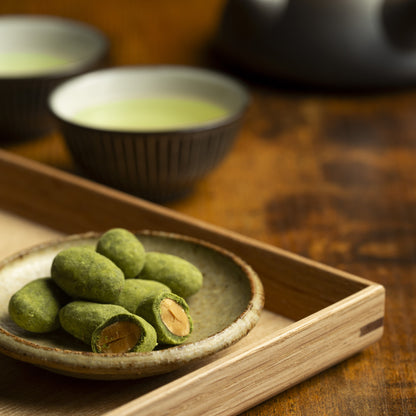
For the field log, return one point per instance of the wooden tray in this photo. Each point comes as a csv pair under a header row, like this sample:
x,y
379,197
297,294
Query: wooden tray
x,y
315,315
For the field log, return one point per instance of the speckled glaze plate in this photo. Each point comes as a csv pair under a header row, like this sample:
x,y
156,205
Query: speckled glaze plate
x,y
224,310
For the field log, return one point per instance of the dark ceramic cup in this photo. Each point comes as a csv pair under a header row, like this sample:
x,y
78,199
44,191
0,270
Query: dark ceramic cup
x,y
110,121
36,54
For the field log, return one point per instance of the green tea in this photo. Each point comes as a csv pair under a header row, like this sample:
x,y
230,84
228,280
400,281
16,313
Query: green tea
x,y
29,63
151,114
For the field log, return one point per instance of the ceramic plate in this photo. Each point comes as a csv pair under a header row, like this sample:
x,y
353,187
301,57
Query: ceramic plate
x,y
224,310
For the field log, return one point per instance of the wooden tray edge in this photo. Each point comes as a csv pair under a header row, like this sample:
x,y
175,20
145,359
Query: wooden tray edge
x,y
231,386
51,190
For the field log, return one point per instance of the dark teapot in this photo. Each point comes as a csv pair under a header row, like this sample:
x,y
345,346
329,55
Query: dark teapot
x,y
327,42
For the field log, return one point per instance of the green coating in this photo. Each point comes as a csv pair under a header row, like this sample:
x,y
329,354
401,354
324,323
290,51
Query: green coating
x,y
35,307
181,276
84,274
136,291
124,249
85,320
150,310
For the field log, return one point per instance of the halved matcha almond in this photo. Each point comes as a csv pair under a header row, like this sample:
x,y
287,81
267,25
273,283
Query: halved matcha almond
x,y
107,328
169,315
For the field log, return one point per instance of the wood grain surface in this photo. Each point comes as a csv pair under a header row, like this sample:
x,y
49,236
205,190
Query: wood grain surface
x,y
326,174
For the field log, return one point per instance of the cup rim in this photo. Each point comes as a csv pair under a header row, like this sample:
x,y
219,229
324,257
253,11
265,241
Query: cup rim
x,y
98,52
244,98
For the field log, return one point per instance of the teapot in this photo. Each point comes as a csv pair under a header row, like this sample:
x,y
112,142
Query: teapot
x,y
343,43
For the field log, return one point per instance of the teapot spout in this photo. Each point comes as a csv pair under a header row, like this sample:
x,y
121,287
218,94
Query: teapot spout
x,y
399,19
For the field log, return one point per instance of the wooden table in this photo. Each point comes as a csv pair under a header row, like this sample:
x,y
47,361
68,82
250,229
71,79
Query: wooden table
x,y
327,175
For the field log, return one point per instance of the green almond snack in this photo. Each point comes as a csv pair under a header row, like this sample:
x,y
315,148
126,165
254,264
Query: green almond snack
x,y
124,249
181,276
35,307
136,291
169,315
107,328
85,274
